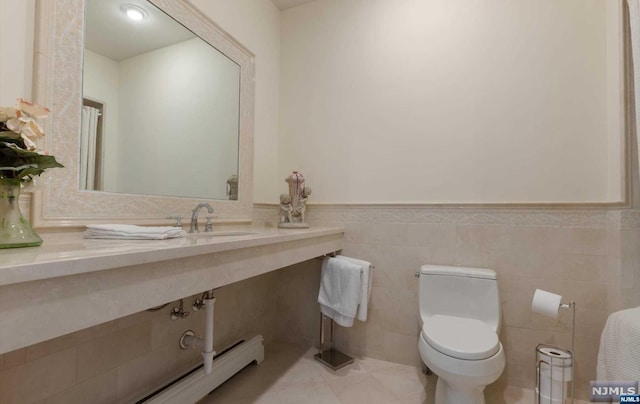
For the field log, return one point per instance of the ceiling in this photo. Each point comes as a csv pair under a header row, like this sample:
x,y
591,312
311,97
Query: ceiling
x,y
110,33
285,4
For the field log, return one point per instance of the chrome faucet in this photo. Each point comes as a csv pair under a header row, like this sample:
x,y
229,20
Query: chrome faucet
x,y
194,216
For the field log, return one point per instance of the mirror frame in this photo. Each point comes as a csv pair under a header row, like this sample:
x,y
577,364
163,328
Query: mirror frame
x,y
58,64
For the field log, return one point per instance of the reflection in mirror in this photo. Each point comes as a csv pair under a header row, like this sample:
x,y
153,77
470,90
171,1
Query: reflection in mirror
x,y
160,112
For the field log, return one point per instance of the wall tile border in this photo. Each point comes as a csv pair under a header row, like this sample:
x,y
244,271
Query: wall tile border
x,y
605,218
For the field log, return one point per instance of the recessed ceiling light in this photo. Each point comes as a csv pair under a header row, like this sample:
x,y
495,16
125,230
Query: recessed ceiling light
x,y
134,12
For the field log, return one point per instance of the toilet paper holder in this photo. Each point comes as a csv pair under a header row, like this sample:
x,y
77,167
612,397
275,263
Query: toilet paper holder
x,y
554,369
548,304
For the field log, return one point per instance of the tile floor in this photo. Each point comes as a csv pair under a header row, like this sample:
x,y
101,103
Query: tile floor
x,y
289,374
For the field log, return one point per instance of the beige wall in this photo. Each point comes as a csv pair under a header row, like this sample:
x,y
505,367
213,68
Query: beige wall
x,y
615,96
440,101
146,134
256,24
341,132
16,49
101,83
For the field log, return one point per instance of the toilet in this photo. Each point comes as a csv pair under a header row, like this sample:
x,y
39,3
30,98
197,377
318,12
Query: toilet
x,y
460,320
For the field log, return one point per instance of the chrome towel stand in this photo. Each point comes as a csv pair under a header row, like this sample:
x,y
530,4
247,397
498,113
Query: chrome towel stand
x,y
329,356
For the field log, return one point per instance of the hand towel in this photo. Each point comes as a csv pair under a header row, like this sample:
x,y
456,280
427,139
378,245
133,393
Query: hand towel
x,y
366,282
132,232
339,290
619,354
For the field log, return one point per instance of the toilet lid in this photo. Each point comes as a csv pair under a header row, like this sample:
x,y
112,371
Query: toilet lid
x,y
462,338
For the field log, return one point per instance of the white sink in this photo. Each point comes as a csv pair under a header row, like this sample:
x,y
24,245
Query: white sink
x,y
223,233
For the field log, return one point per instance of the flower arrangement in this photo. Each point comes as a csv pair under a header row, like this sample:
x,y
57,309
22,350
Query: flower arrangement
x,y
19,160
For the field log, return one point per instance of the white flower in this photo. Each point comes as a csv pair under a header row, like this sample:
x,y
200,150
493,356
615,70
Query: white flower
x,y
7,113
24,122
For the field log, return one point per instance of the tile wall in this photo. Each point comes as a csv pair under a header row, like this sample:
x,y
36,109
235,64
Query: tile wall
x,y
590,256
122,360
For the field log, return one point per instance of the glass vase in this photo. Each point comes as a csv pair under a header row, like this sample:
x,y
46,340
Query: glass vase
x,y
15,230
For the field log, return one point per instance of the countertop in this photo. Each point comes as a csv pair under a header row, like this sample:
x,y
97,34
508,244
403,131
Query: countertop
x,y
64,254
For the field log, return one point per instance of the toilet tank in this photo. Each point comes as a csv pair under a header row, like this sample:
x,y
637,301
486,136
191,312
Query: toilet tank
x,y
461,292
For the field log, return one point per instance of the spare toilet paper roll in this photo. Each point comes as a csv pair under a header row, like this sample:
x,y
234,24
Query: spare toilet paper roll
x,y
556,370
546,303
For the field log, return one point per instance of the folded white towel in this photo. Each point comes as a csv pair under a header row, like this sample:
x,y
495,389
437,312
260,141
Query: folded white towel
x,y
366,282
339,290
619,355
132,232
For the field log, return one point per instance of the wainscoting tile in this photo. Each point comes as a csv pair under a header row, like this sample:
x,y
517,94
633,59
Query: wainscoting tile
x,y
39,379
98,390
112,350
13,359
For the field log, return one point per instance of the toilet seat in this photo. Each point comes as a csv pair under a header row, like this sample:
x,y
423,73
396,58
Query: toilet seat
x,y
451,336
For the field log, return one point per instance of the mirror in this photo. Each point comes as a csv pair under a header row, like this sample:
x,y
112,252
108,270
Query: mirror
x,y
126,159
160,106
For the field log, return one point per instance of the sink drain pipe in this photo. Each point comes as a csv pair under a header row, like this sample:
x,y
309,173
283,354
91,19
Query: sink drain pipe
x,y
208,353
215,368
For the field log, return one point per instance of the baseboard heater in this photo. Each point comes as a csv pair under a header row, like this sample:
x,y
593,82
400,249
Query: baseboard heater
x,y
195,384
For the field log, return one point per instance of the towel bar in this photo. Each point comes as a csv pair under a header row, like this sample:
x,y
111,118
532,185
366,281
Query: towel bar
x,y
331,357
329,255
334,255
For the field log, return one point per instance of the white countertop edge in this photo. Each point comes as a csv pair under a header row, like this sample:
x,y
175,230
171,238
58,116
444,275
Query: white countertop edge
x,y
65,254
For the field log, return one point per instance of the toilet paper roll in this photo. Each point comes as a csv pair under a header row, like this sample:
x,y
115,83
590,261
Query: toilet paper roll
x,y
552,386
560,359
546,303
